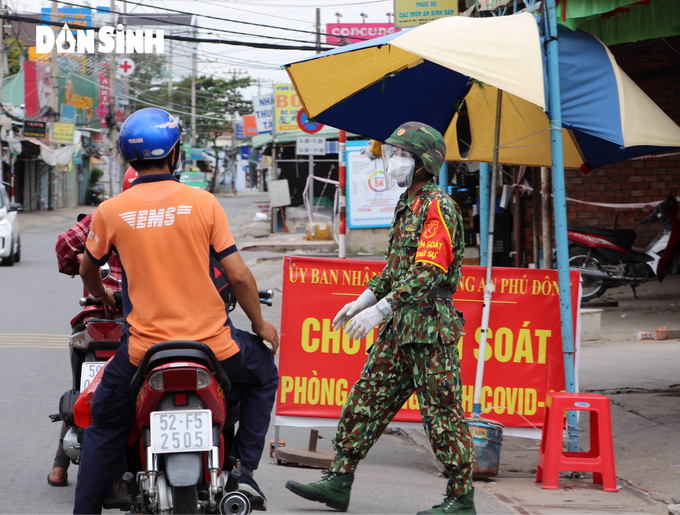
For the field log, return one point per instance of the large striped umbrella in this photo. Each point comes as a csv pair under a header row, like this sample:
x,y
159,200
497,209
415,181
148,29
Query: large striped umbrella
x,y
446,74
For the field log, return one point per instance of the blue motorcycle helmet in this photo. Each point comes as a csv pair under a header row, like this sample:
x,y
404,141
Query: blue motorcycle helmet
x,y
149,134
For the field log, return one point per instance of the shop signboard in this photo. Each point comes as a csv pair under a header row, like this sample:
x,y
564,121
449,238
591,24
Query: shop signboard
x,y
344,33
63,132
411,13
76,17
249,126
33,129
287,105
263,107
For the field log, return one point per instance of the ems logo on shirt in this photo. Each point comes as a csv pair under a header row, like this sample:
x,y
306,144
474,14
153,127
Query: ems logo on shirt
x,y
146,218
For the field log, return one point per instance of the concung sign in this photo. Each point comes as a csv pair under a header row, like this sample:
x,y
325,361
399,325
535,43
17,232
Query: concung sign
x,y
84,41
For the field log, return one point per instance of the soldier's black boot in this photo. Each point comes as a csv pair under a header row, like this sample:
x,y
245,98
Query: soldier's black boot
x,y
333,490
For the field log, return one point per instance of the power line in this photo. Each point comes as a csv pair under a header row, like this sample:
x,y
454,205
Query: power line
x,y
151,18
268,46
223,19
253,12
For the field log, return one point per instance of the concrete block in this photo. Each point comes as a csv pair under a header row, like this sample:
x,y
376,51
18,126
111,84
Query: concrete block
x,y
665,333
590,324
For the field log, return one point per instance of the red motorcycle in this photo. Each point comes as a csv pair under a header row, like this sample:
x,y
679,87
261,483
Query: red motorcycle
x,y
606,258
186,412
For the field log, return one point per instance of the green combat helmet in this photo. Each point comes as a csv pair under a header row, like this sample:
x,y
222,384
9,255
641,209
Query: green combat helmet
x,y
422,141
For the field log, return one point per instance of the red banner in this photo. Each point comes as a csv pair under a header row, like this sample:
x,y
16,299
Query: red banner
x,y
524,359
37,88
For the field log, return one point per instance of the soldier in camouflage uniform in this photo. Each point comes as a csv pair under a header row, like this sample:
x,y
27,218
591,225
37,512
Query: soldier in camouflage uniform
x,y
416,349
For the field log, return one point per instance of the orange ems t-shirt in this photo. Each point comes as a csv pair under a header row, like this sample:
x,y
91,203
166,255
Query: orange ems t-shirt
x,y
164,233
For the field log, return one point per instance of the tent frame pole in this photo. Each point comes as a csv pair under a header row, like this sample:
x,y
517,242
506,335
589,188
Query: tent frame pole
x,y
560,211
484,196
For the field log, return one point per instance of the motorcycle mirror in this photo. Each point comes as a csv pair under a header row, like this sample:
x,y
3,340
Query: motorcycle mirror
x,y
106,271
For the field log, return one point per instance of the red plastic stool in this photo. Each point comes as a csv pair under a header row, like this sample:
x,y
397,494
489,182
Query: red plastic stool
x,y
599,460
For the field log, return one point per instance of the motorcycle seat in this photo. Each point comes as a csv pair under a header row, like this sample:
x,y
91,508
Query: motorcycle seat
x,y
621,237
167,352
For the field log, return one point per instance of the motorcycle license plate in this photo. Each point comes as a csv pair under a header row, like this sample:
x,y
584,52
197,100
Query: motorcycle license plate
x,y
181,431
88,371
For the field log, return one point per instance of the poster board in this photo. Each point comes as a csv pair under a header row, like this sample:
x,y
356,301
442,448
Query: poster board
x,y
369,203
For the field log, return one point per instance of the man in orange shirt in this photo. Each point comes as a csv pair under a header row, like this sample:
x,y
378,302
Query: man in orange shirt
x,y
164,233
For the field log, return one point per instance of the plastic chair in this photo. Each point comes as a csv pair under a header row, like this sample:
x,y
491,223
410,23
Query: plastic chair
x,y
599,460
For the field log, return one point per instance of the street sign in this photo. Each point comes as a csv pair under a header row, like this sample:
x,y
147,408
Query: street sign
x,y
310,146
306,125
126,66
196,154
34,129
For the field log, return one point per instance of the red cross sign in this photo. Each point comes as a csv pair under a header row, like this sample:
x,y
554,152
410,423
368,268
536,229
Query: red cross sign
x,y
126,66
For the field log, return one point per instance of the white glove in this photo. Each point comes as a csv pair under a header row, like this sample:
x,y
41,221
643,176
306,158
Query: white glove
x,y
367,320
365,300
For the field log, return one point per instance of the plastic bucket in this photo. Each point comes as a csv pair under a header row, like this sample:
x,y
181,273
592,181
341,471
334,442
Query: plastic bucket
x,y
487,437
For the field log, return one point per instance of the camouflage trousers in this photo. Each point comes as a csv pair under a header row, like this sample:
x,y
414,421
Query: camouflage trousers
x,y
389,377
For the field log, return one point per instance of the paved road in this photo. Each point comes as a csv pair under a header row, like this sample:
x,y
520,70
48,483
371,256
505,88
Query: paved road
x,y
35,308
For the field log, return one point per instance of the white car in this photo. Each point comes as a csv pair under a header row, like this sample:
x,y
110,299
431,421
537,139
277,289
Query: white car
x,y
10,241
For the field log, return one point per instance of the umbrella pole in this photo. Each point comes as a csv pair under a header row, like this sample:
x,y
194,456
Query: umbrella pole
x,y
484,192
488,285
560,212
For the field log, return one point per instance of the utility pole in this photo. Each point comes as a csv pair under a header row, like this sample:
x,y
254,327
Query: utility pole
x,y
193,94
113,92
318,30
169,74
54,98
126,78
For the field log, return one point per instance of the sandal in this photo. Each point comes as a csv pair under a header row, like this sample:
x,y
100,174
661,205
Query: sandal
x,y
55,483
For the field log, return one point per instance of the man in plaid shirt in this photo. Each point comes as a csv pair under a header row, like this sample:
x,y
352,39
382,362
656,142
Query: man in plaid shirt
x,y
70,248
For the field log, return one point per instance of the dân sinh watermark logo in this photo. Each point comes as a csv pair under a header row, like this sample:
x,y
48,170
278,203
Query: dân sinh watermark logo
x,y
84,42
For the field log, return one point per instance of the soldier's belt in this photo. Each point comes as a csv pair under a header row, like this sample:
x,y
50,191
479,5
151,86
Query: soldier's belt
x,y
441,293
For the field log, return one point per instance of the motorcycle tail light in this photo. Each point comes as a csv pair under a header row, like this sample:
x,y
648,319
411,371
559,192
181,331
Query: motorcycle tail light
x,y
105,353
78,340
155,381
203,379
105,331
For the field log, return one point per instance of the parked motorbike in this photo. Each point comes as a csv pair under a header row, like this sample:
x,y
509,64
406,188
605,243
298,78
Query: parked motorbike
x,y
606,258
177,459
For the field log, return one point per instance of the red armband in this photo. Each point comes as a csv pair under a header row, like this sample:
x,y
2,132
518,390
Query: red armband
x,y
435,245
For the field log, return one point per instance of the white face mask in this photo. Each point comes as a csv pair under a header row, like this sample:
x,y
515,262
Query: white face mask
x,y
399,167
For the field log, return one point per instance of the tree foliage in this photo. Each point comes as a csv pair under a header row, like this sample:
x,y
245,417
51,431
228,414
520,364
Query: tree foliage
x,y
217,101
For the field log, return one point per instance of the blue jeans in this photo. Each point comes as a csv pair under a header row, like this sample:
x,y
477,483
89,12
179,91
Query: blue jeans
x,y
113,416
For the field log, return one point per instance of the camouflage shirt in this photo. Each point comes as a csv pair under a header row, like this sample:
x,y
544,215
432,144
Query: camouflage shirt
x,y
409,285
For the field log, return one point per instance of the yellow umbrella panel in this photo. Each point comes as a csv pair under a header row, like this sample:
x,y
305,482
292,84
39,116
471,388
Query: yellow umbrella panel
x,y
524,134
